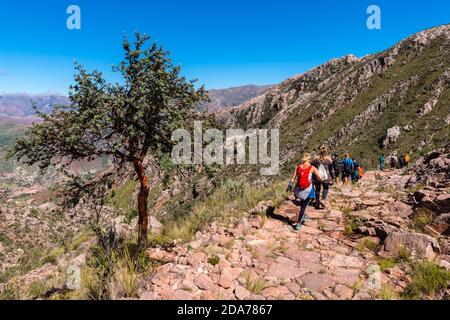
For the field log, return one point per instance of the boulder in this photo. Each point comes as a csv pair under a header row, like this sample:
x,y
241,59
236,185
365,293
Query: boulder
x,y
422,245
241,293
203,282
154,226
443,203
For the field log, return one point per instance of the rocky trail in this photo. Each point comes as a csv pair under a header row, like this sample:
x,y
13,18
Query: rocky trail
x,y
363,245
338,254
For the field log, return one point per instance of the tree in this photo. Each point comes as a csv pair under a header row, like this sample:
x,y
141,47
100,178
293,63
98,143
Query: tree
x,y
121,121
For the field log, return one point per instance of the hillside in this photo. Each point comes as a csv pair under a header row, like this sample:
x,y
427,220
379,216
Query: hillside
x,y
394,101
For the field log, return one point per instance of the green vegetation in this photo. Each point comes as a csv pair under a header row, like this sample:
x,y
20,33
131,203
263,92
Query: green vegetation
x,y
387,263
255,286
367,244
214,260
386,293
421,218
427,280
227,203
403,254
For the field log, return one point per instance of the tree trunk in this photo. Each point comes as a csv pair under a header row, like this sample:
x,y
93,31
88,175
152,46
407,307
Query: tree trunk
x,y
142,201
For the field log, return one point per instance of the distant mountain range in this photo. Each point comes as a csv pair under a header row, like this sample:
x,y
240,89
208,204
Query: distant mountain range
x,y
18,108
233,97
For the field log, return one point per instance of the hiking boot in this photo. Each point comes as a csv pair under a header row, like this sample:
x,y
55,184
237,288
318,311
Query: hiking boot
x,y
304,219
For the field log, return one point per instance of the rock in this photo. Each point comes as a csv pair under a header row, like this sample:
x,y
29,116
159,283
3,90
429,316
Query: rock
x,y
154,226
203,282
343,292
197,259
256,222
347,262
362,295
281,292
48,207
443,203
244,226
317,281
241,293
198,235
441,225
283,268
228,275
398,209
347,277
423,246
391,136
444,264
195,244
148,296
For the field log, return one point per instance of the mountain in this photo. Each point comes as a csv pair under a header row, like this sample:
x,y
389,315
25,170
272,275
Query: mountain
x,y
393,101
232,97
19,106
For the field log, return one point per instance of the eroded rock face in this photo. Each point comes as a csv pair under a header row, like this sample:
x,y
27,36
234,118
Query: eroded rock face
x,y
392,135
432,169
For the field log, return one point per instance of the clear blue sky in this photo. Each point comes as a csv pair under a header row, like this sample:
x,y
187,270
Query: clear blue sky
x,y
221,43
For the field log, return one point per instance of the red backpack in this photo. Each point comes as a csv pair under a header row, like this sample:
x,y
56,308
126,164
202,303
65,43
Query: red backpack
x,y
303,177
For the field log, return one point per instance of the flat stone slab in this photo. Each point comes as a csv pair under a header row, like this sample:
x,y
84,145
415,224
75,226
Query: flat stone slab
x,y
317,281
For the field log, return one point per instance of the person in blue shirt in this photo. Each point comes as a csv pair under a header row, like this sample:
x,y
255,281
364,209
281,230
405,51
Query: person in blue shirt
x,y
348,167
381,162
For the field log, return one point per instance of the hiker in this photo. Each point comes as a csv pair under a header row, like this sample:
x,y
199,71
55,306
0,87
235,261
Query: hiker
x,y
401,162
381,162
406,159
361,171
347,164
355,172
394,161
336,168
325,167
304,190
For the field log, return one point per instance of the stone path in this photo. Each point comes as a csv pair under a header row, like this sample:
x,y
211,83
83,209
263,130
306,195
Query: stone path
x,y
264,258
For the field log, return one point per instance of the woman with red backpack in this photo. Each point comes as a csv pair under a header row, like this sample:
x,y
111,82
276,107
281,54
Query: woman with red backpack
x,y
304,190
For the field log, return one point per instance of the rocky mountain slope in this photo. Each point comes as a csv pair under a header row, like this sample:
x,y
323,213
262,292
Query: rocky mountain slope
x,y
233,97
394,101
383,238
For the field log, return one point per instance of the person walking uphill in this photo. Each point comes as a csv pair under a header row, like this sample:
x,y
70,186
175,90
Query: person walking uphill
x,y
347,163
381,161
325,167
304,189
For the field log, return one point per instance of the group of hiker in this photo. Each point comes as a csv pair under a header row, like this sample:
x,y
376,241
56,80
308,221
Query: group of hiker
x,y
395,162
314,176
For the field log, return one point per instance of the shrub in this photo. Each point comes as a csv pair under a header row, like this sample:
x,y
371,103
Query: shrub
x,y
422,218
37,289
256,286
403,254
386,293
387,263
214,260
427,279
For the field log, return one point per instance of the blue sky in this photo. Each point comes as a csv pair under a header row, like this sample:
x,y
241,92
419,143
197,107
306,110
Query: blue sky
x,y
221,43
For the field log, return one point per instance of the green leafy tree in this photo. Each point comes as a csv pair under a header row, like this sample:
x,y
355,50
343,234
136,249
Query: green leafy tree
x,y
124,122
